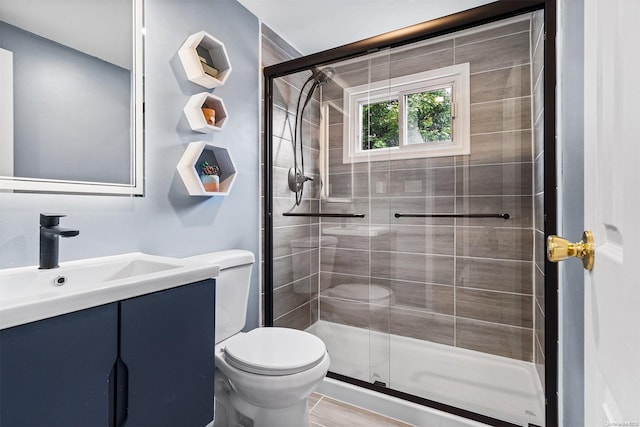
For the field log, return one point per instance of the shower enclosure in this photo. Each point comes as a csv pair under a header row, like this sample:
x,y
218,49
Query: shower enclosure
x,y
404,213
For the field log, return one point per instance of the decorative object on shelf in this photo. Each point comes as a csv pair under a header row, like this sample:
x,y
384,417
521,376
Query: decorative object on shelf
x,y
207,63
208,69
204,166
197,116
210,177
209,116
205,60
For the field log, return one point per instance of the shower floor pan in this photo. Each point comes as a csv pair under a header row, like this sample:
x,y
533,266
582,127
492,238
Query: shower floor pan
x,y
499,387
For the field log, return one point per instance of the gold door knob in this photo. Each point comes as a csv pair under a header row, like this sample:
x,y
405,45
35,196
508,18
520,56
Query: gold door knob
x,y
559,249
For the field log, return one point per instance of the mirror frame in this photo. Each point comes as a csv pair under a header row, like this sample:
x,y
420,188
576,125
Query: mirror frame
x,y
136,188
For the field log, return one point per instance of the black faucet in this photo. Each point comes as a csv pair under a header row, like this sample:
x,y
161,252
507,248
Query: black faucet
x,y
49,237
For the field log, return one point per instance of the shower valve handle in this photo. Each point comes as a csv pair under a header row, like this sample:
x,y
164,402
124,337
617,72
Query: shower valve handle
x,y
297,180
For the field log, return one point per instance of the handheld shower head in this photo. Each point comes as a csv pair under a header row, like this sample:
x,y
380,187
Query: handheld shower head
x,y
297,178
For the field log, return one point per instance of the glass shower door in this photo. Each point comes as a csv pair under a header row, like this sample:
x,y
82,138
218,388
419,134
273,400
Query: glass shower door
x,y
466,324
452,292
353,308
420,263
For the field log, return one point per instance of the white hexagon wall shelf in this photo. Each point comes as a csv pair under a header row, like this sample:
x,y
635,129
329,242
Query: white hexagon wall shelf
x,y
195,114
190,168
204,45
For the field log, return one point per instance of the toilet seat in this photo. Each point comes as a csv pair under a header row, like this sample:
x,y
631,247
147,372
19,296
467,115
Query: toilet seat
x,y
274,351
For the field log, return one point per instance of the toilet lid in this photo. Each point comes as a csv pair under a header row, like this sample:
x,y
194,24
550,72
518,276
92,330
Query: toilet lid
x,y
274,351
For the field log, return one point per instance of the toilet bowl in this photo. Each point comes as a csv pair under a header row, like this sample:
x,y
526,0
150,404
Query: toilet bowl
x,y
263,376
267,375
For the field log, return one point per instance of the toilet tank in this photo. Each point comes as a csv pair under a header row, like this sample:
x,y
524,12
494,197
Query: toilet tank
x,y
232,289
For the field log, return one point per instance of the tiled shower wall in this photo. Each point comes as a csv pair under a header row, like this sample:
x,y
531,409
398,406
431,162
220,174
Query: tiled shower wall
x,y
296,247
537,43
463,282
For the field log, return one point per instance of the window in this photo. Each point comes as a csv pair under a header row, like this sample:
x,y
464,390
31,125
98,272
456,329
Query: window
x,y
419,115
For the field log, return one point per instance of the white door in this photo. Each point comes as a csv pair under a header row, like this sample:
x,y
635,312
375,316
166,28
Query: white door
x,y
612,211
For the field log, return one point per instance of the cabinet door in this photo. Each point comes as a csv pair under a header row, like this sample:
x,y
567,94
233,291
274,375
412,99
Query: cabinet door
x,y
167,343
55,372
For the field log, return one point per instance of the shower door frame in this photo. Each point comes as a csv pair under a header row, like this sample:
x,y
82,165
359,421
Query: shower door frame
x,y
480,15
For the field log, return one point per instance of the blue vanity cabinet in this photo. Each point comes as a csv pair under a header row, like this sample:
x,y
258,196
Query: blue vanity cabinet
x,y
141,362
56,372
167,343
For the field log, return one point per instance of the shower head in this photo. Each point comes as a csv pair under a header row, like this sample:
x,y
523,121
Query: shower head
x,y
324,75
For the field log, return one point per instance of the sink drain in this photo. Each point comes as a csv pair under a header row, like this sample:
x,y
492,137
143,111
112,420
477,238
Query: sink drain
x,y
60,280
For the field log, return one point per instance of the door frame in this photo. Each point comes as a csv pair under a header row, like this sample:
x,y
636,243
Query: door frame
x,y
491,12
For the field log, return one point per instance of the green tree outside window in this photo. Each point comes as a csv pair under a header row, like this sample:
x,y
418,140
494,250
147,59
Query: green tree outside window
x,y
380,125
428,120
429,116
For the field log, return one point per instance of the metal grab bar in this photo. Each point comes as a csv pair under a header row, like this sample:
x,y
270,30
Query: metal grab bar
x,y
325,215
431,215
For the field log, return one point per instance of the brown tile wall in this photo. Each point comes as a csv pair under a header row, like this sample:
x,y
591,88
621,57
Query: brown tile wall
x,y
296,247
537,82
473,283
466,282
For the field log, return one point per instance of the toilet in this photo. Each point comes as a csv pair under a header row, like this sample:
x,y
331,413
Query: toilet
x,y
263,376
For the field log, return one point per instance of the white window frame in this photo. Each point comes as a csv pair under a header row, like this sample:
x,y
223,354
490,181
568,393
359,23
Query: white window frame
x,y
455,76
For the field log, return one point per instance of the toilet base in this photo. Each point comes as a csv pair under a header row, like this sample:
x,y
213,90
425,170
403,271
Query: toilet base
x,y
272,417
232,411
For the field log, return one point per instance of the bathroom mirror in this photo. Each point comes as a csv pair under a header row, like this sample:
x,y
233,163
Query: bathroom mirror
x,y
71,96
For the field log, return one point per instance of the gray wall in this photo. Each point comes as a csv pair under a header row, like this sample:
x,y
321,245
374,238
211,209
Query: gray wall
x,y
571,195
167,221
71,112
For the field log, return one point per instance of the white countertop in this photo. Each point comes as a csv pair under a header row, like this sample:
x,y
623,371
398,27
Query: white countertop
x,y
28,294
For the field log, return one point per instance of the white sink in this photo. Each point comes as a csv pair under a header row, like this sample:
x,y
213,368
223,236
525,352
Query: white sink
x,y
28,294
